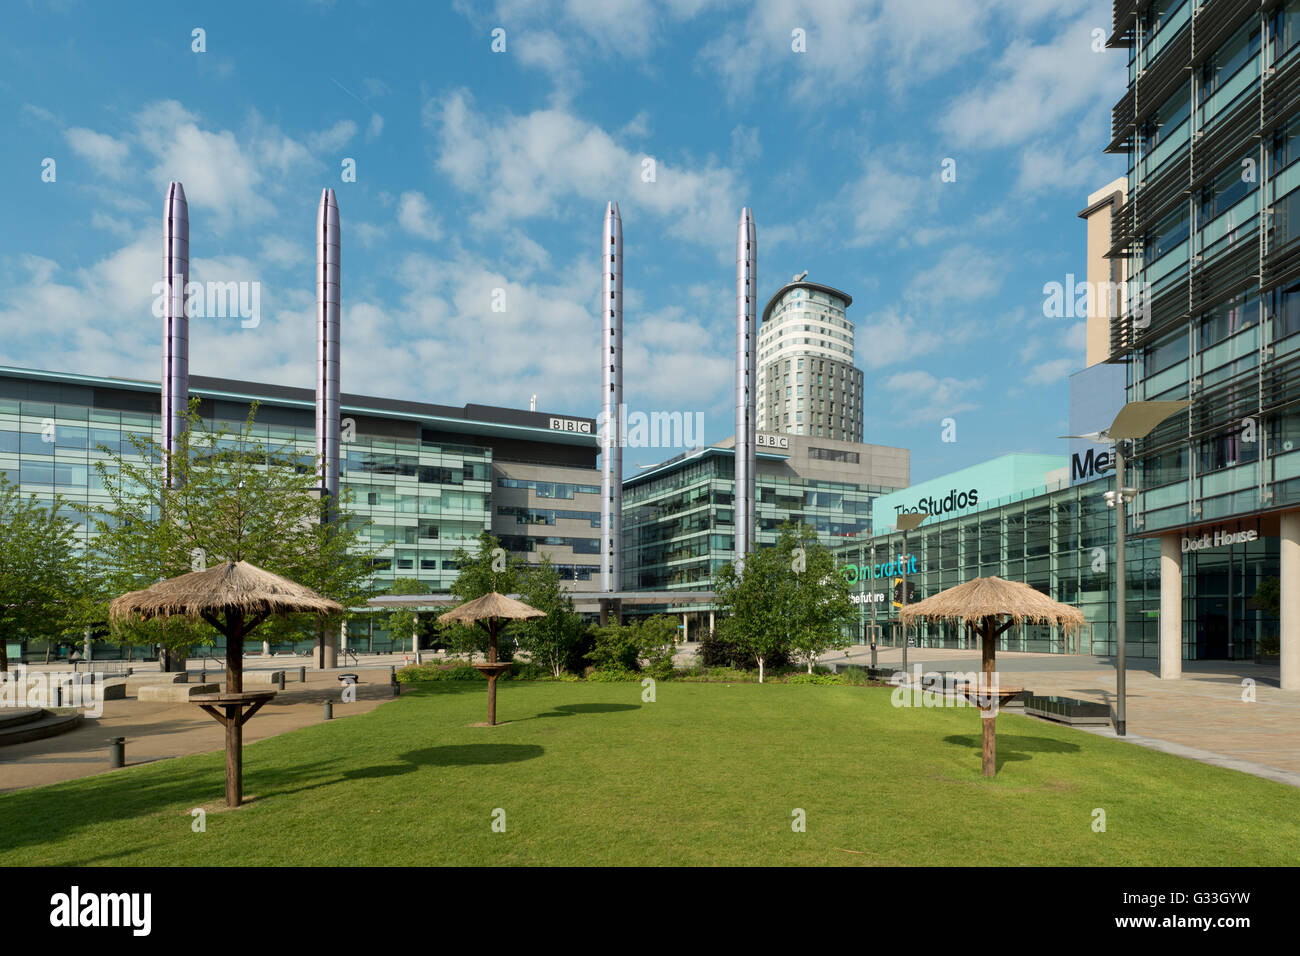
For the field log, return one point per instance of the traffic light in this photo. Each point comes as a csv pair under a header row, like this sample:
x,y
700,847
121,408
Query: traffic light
x,y
898,592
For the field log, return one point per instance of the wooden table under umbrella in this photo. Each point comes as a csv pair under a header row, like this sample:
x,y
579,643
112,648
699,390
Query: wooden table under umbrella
x,y
235,597
989,606
488,612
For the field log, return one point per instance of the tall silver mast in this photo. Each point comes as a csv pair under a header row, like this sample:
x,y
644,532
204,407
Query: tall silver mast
x,y
746,384
327,342
611,362
176,325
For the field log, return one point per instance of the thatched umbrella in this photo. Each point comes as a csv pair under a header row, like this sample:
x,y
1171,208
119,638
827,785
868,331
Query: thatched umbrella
x,y
488,612
235,597
980,604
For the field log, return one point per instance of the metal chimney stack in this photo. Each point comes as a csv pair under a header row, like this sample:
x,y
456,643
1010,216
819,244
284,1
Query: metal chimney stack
x,y
176,324
611,363
327,342
746,386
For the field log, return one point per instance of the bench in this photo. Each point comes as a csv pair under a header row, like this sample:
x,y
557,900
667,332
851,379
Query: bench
x,y
1067,710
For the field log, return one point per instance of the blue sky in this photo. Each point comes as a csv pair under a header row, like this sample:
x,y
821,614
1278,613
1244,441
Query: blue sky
x,y
478,170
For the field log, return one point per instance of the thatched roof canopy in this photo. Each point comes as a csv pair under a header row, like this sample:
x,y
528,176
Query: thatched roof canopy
x,y
230,586
488,607
979,598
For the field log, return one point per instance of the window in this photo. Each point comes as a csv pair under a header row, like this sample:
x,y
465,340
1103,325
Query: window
x,y
1167,118
1286,29
1286,311
1165,354
1286,145
1231,317
1168,233
1158,14
1224,193
1228,59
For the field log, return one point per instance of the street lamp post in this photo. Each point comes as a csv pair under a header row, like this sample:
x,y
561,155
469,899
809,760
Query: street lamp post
x,y
1135,420
1117,499
906,523
873,606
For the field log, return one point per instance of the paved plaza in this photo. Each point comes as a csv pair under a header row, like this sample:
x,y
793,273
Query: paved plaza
x,y
160,730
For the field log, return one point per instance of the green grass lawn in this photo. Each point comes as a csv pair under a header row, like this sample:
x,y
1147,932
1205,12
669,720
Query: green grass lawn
x,y
708,774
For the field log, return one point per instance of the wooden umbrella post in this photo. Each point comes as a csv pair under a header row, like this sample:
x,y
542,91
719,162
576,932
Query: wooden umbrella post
x,y
988,722
234,755
492,675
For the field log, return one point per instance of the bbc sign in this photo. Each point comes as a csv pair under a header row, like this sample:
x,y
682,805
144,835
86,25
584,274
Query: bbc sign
x,y
570,425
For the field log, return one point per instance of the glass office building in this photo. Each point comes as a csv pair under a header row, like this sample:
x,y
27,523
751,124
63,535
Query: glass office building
x,y
679,519
1210,235
429,479
1059,539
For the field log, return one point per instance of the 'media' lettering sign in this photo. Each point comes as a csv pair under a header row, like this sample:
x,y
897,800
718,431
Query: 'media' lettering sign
x,y
1219,539
1089,465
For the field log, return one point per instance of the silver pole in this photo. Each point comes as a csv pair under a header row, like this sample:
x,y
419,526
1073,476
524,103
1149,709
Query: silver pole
x,y
746,386
611,363
1121,687
176,325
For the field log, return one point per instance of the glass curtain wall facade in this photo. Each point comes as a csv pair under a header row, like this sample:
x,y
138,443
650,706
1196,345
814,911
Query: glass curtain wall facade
x,y
1060,542
1212,229
679,524
424,499
1210,125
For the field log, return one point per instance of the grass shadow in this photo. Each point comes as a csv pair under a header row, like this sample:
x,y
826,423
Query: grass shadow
x,y
472,755
596,708
1013,748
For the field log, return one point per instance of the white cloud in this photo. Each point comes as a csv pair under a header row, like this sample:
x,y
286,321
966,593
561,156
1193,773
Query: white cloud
x,y
1051,372
104,152
895,338
963,274
415,215
929,398
334,138
745,147
529,166
1034,88
219,175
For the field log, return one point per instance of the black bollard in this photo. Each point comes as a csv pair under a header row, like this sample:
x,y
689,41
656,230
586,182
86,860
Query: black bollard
x,y
117,752
329,710
280,680
302,675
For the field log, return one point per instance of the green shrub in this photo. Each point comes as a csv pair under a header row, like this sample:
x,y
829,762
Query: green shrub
x,y
716,651
527,670
728,675
607,675
813,679
437,672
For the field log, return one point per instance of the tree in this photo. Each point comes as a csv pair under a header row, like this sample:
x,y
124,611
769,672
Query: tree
x,y
40,578
788,597
234,498
548,640
489,568
646,645
403,622
820,606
